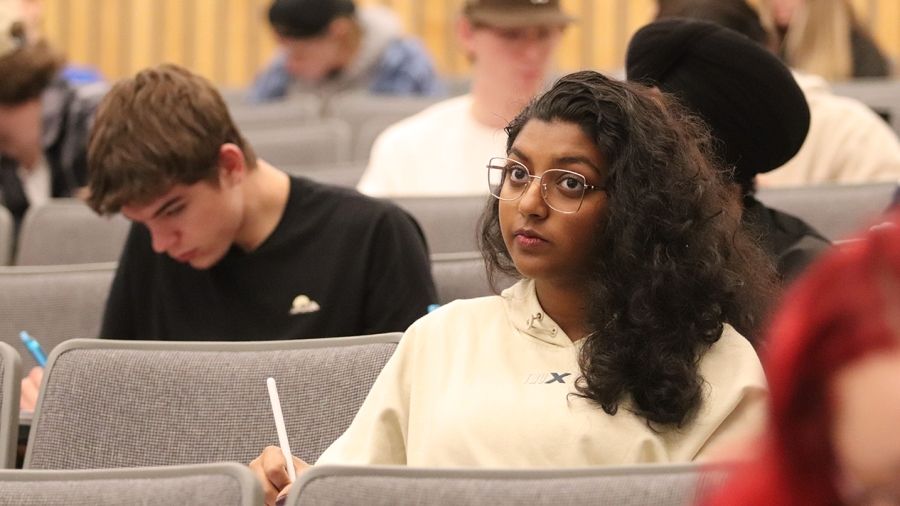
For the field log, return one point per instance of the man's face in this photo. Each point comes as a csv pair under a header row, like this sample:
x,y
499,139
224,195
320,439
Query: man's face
x,y
519,58
195,224
20,132
312,59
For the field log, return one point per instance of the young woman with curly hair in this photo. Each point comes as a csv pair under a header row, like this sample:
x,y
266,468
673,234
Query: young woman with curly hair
x,y
618,345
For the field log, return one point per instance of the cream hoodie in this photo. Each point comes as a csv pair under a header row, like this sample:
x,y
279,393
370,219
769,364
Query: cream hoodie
x,y
486,382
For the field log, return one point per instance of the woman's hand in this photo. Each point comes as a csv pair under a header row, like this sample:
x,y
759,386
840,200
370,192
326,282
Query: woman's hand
x,y
271,472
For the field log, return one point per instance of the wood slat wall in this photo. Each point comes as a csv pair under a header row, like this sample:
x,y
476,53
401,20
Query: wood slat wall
x,y
228,40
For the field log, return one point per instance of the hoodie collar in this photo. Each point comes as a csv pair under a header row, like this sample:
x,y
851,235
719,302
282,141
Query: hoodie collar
x,y
527,315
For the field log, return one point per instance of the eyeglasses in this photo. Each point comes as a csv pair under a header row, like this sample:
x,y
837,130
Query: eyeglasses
x,y
562,190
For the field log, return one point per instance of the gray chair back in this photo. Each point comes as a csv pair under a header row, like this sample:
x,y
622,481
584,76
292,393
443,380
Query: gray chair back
x,y
53,303
368,114
463,276
450,224
67,231
645,485
110,403
219,484
836,211
321,142
10,374
7,236
277,114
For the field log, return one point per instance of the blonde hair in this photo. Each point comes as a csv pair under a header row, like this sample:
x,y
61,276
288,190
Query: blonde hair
x,y
818,39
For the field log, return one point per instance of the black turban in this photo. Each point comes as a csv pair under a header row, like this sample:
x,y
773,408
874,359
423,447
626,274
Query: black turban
x,y
751,102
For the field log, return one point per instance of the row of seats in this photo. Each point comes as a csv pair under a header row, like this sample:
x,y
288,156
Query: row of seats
x,y
110,405
305,132
65,231
59,302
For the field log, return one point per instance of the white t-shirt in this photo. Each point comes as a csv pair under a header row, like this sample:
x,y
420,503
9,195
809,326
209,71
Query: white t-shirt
x,y
441,151
847,143
35,182
486,383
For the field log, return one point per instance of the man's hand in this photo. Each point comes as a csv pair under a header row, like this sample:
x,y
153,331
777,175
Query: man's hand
x,y
270,469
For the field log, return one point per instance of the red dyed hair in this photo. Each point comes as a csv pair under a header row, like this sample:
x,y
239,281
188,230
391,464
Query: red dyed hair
x,y
844,308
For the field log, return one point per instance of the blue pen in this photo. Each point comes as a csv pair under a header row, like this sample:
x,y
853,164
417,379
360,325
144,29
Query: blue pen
x,y
34,348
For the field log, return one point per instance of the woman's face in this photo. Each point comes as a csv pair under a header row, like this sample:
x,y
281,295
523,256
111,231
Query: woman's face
x,y
783,11
865,435
546,244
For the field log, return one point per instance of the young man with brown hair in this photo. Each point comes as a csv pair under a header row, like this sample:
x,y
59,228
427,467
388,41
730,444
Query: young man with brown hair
x,y
227,247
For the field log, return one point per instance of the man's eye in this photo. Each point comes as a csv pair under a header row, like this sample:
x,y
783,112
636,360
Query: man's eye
x,y
175,211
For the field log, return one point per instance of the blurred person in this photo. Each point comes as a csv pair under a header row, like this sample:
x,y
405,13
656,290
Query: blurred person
x,y
330,46
755,111
825,38
510,44
833,363
44,120
847,142
621,343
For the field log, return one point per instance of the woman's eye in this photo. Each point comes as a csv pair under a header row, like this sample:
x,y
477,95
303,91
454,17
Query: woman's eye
x,y
518,174
570,183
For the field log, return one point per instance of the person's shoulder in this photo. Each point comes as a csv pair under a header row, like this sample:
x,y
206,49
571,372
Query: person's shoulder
x,y
348,202
439,115
459,318
732,356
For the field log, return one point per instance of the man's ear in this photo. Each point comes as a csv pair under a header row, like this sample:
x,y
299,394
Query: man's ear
x,y
464,33
232,166
340,27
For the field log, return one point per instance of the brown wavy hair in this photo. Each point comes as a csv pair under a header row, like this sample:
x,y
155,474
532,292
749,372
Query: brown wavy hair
x,y
671,264
28,70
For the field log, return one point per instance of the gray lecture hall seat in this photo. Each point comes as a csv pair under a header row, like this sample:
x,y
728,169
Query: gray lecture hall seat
x,y
278,114
218,484
645,485
10,375
107,404
7,236
321,142
373,113
837,211
53,303
462,276
67,231
450,223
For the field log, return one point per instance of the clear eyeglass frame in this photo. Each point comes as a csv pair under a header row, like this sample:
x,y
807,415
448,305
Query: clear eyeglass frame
x,y
557,197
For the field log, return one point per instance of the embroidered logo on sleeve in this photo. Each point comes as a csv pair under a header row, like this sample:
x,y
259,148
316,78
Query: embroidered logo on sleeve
x,y
303,304
544,378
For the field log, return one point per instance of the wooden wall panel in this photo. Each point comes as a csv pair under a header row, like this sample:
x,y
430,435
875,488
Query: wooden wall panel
x,y
229,40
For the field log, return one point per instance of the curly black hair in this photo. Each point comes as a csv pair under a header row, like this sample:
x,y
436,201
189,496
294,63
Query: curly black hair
x,y
672,263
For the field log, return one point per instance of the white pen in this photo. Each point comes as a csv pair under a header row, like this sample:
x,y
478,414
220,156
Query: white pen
x,y
279,427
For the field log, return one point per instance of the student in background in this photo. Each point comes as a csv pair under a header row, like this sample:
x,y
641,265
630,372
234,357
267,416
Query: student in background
x,y
224,246
833,363
847,143
756,113
44,120
620,344
442,150
824,37
330,46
